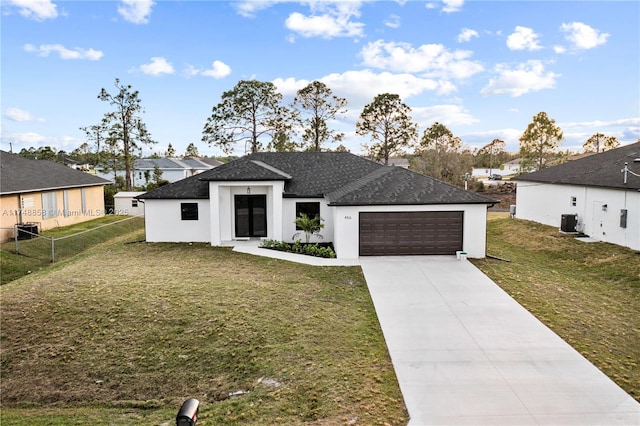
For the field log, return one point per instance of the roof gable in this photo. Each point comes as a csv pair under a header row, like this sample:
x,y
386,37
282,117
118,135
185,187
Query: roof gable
x,y
20,174
599,170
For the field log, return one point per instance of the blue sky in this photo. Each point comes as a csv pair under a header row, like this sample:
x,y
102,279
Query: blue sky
x,y
484,69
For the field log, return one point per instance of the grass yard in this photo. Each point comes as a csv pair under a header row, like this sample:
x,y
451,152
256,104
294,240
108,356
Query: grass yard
x,y
588,293
35,254
126,332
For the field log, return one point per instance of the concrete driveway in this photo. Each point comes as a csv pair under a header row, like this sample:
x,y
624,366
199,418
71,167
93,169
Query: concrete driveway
x,y
466,353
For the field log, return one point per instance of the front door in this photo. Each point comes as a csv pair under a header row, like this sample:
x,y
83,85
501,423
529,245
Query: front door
x,y
251,215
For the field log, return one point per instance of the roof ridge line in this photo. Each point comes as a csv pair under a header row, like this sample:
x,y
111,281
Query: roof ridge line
x,y
360,182
271,168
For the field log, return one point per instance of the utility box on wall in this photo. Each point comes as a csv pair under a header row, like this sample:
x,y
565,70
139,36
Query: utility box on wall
x,y
623,218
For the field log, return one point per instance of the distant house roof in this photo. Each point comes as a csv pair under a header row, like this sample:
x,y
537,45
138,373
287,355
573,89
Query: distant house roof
x,y
197,163
598,170
19,175
161,163
187,163
342,178
211,161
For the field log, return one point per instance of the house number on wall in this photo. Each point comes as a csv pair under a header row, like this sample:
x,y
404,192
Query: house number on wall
x,y
348,217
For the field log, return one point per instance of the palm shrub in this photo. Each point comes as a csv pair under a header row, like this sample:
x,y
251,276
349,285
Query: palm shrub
x,y
309,226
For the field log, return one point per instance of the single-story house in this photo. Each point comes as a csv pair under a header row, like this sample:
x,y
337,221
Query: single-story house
x,y
512,167
598,195
126,203
367,208
39,195
173,169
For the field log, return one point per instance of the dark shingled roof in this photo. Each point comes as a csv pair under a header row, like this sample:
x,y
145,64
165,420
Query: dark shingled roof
x,y
396,185
343,178
599,170
19,175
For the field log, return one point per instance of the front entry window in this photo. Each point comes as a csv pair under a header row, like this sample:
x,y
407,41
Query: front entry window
x,y
251,215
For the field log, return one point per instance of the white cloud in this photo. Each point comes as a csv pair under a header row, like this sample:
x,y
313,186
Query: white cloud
x,y
622,122
249,8
452,5
63,52
27,139
360,87
33,139
523,78
38,10
393,21
582,36
467,34
218,70
481,138
523,38
20,115
559,49
136,11
433,60
327,20
158,66
449,115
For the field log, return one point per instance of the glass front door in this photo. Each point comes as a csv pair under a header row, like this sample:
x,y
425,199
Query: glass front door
x,y
251,215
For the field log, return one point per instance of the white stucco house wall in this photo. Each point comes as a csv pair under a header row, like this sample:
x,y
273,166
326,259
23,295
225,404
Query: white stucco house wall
x,y
604,197
367,208
126,203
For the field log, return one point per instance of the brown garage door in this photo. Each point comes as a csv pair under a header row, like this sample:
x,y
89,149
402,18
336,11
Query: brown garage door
x,y
410,233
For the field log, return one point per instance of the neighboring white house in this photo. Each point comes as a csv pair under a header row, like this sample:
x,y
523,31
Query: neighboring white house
x,y
367,208
605,197
126,203
512,167
486,172
173,169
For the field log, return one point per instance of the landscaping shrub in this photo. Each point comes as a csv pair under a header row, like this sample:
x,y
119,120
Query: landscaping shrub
x,y
316,249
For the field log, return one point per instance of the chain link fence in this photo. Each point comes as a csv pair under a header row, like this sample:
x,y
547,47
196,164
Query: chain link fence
x,y
52,249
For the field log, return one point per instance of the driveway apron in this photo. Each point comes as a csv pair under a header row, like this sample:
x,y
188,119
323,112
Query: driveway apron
x,y
466,353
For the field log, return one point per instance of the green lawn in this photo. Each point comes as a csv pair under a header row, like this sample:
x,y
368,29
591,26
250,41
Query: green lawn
x,y
127,332
36,254
588,293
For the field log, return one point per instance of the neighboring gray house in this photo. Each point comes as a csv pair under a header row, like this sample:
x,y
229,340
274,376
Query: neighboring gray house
x,y
367,208
598,195
173,169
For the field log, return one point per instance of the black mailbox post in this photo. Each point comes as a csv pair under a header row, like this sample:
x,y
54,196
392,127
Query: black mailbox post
x,y
188,414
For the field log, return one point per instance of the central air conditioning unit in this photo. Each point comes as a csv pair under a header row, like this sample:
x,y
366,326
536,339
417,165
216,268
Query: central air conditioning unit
x,y
568,222
27,231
